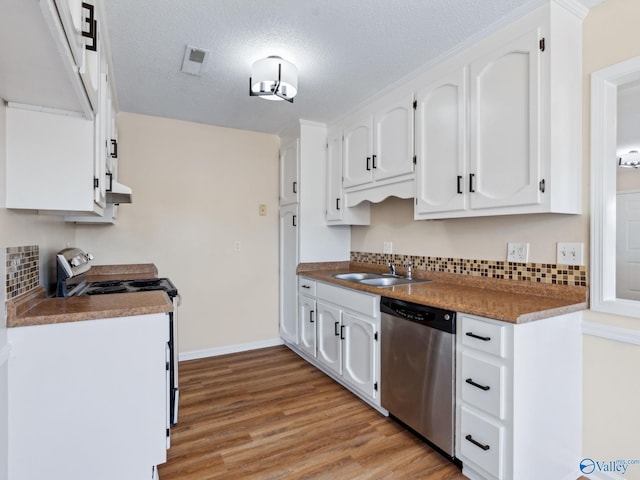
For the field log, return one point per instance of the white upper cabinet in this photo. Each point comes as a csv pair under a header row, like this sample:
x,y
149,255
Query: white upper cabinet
x,y
441,145
506,156
378,152
505,117
289,173
337,212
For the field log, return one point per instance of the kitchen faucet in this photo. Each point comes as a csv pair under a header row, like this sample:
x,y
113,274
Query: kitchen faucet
x,y
409,265
392,268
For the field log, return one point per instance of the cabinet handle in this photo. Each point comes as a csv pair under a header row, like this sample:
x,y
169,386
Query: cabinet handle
x,y
311,318
341,332
477,443
369,163
114,151
473,335
477,385
306,286
295,187
294,220
471,175
92,34
374,162
460,184
335,328
541,185
337,204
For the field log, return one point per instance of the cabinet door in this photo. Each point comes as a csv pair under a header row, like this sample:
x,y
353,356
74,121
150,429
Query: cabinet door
x,y
505,130
72,15
288,278
289,174
393,144
89,68
328,328
307,319
335,203
441,147
357,161
359,354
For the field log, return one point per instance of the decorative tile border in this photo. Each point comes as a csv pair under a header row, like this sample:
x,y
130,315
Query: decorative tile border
x,y
23,269
573,275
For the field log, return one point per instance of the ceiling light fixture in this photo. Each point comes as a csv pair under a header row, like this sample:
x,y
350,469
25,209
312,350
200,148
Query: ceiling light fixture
x,y
273,78
630,160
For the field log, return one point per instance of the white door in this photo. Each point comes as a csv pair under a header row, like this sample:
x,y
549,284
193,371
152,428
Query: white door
x,y
288,278
357,160
329,344
628,246
359,354
289,174
504,126
335,202
393,144
307,319
441,146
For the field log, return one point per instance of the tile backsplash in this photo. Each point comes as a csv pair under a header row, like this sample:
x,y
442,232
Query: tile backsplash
x,y
574,275
23,269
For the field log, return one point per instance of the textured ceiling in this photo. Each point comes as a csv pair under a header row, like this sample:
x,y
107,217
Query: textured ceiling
x,y
345,50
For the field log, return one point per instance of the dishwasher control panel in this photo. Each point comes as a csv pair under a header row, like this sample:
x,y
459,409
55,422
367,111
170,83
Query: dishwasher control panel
x,y
433,317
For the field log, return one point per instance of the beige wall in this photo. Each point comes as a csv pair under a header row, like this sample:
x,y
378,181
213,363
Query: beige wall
x,y
611,389
196,191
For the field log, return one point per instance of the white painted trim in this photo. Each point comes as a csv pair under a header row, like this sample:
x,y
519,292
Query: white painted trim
x,y
611,332
4,353
241,347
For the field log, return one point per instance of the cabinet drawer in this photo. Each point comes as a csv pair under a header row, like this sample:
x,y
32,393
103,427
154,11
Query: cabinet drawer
x,y
482,384
483,336
306,286
350,299
482,442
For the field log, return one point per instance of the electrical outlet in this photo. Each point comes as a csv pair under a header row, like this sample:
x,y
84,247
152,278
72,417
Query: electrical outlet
x,y
518,252
569,253
387,247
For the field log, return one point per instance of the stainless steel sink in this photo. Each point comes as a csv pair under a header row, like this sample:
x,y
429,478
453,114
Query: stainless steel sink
x,y
377,279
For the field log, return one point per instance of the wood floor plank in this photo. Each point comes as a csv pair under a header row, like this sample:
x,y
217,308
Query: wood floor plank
x,y
268,415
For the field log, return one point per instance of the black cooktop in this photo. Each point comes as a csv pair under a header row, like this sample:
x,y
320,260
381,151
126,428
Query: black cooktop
x,y
129,286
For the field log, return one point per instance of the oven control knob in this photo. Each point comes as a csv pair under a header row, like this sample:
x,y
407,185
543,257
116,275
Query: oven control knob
x,y
447,317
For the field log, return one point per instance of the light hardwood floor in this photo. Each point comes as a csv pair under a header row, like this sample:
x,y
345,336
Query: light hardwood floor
x,y
267,414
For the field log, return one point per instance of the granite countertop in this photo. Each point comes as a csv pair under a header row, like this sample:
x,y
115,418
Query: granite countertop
x,y
507,300
34,308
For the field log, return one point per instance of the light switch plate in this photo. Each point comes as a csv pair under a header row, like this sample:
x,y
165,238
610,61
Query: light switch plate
x,y
518,252
569,253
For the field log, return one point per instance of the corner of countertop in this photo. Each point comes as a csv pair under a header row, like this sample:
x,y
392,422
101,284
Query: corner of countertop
x,y
19,305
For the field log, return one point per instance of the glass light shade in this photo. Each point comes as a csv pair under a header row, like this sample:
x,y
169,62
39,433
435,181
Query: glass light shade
x,y
630,160
264,78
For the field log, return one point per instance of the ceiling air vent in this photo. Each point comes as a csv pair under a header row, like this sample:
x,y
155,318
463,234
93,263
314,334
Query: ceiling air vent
x,y
194,60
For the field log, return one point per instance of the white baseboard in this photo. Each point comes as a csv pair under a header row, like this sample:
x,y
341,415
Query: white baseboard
x,y
241,347
610,332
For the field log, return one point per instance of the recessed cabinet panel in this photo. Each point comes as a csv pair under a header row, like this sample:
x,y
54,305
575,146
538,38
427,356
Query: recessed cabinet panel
x,y
482,442
335,202
441,147
288,279
359,354
483,384
289,174
358,162
307,316
329,343
505,131
393,149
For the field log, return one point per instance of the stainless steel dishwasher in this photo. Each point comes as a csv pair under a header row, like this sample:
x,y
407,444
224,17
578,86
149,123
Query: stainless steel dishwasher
x,y
417,377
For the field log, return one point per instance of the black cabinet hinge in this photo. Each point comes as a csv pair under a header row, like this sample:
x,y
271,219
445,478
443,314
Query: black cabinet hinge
x,y
96,183
415,159
168,433
375,336
415,104
375,386
542,45
167,366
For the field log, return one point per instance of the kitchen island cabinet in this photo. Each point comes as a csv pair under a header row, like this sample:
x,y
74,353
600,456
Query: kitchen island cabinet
x,y
89,399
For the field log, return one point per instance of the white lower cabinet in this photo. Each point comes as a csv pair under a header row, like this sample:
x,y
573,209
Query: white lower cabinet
x,y
517,391
345,336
